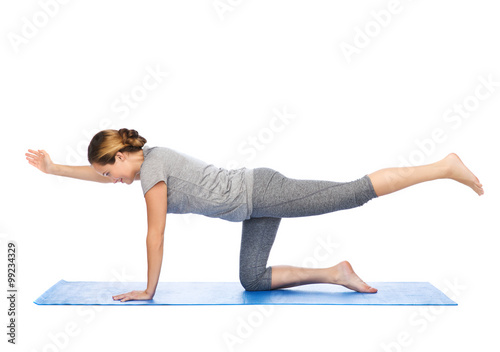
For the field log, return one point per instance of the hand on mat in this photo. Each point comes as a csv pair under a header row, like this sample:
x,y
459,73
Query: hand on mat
x,y
134,296
40,159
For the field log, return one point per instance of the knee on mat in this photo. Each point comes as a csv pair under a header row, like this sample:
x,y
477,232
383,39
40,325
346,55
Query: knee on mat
x,y
255,283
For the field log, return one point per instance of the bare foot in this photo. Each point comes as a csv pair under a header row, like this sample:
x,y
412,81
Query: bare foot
x,y
344,275
459,172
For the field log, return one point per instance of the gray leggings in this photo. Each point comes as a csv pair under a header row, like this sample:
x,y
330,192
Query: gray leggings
x,y
276,196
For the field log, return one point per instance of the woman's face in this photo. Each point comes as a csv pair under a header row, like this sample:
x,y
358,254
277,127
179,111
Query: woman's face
x,y
123,170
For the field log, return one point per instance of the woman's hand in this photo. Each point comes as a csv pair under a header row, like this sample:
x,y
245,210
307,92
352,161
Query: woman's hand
x,y
134,296
41,160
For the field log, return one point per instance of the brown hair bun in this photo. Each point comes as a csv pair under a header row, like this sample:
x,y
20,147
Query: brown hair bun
x,y
105,144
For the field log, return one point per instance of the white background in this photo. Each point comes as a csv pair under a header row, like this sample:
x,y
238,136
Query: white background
x,y
63,80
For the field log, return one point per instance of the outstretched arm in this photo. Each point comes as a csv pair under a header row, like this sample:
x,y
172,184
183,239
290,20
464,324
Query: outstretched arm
x,y
156,202
41,160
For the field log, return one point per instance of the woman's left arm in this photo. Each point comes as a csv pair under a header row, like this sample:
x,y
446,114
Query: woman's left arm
x,y
156,202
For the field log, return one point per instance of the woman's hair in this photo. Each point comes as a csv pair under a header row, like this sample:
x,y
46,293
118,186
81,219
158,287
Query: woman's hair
x,y
105,144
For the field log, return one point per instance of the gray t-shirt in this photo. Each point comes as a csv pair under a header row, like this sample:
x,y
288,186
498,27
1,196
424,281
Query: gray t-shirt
x,y
194,186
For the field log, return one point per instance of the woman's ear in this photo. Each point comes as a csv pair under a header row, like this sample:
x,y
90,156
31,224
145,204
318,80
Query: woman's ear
x,y
120,156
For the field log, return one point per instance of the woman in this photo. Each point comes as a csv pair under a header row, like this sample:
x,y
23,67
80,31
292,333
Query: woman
x,y
173,182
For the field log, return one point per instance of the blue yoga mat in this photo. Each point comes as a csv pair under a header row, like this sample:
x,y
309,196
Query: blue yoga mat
x,y
232,293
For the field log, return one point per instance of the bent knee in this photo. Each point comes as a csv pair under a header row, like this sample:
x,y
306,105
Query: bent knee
x,y
257,282
255,285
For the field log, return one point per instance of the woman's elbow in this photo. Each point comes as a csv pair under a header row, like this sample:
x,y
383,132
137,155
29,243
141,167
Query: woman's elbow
x,y
155,237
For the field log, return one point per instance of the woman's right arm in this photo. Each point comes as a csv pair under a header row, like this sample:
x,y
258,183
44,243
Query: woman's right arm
x,y
41,160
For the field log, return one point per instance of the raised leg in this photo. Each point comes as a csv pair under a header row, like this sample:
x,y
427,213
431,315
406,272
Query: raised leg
x,y
390,180
259,233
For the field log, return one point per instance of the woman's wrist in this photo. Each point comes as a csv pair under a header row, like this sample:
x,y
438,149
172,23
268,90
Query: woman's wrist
x,y
53,169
